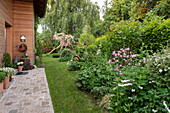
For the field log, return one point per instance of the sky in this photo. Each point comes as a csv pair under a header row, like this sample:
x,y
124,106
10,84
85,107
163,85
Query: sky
x,y
99,2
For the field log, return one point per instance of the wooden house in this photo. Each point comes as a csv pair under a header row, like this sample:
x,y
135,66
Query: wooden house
x,y
17,21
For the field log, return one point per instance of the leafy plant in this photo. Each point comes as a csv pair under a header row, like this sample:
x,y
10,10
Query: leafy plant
x,y
2,76
73,65
7,60
95,76
92,49
66,55
20,63
155,32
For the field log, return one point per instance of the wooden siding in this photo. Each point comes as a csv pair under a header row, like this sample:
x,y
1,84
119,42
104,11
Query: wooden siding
x,y
6,16
24,26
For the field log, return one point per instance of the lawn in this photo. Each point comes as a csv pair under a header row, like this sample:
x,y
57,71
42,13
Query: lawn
x,y
66,98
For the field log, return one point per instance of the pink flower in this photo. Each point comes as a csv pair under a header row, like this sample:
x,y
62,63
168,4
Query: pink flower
x,y
119,51
128,49
129,63
120,56
144,60
115,78
120,65
138,63
113,53
115,69
113,58
135,64
140,60
110,61
127,56
117,60
121,73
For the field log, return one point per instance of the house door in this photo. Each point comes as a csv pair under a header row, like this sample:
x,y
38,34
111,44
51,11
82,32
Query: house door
x,y
5,39
8,38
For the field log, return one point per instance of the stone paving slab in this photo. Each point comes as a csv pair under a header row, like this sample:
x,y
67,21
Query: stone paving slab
x,y
29,94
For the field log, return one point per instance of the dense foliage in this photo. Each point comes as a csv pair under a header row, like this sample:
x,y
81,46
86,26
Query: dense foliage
x,y
2,76
7,60
154,31
95,77
66,55
92,49
70,16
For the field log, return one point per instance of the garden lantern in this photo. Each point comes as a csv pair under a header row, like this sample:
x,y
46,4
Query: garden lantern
x,y
22,38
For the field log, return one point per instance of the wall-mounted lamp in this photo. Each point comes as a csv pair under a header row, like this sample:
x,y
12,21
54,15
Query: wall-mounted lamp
x,y
22,38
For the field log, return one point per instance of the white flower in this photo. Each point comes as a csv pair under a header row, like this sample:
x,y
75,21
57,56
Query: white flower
x,y
160,70
125,80
130,98
133,90
154,110
140,87
122,85
166,106
165,70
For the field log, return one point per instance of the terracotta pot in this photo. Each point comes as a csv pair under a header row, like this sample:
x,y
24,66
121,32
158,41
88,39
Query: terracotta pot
x,y
20,68
6,82
1,87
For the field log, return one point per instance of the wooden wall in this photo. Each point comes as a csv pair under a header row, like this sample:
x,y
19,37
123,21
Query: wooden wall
x,y
18,17
23,26
6,18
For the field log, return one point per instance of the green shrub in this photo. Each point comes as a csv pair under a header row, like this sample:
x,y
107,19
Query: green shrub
x,y
38,62
94,76
92,49
159,67
66,55
7,60
56,55
81,51
155,33
123,34
73,66
2,76
88,38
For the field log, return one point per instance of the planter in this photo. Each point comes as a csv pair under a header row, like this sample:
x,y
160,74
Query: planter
x,y
6,82
1,87
20,68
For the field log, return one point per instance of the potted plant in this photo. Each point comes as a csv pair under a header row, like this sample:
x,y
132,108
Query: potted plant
x,y
2,78
9,71
20,66
6,81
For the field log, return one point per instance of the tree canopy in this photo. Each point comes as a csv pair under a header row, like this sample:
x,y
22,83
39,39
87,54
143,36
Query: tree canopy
x,y
70,16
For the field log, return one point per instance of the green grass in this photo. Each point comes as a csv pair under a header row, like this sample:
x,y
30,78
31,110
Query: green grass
x,y
66,98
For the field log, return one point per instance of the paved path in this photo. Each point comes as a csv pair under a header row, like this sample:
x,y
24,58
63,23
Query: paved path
x,y
28,94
